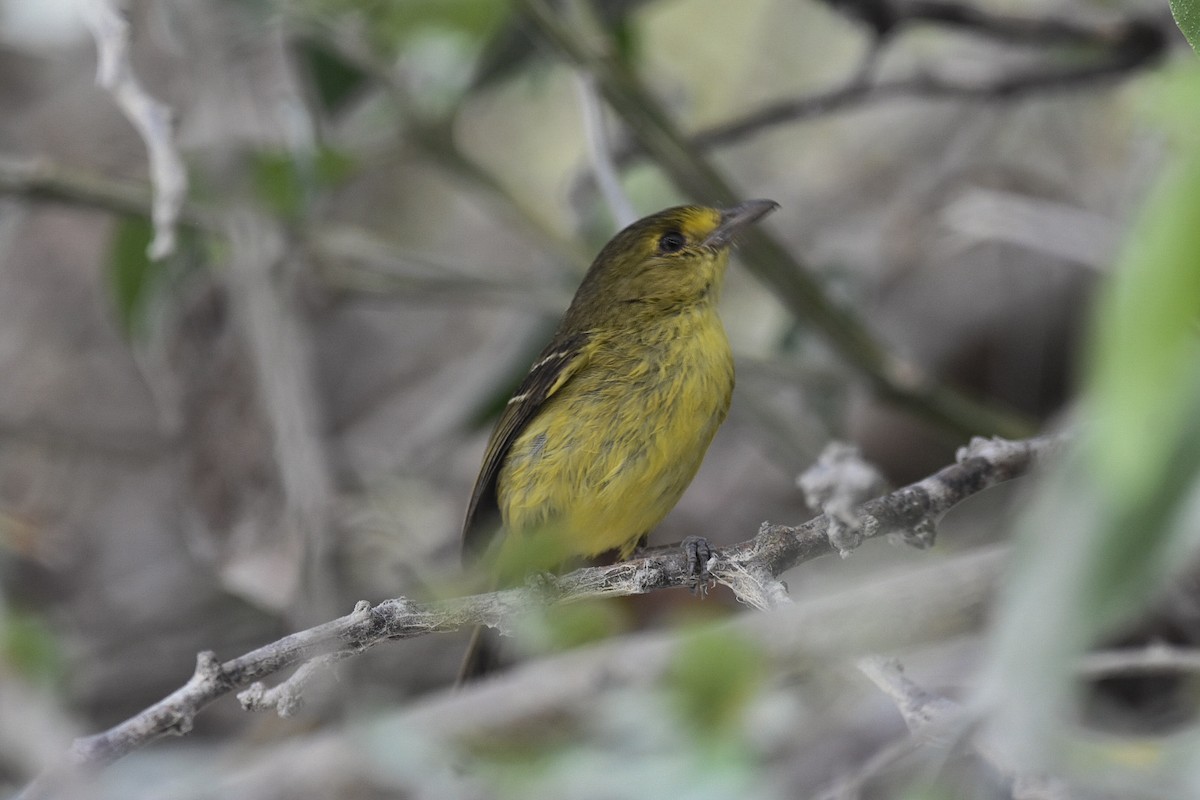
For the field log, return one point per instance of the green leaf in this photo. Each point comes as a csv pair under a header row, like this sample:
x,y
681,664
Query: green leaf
x,y
715,674
1143,386
1187,17
1117,519
131,273
577,624
278,183
1146,344
392,24
286,182
333,167
29,647
1169,101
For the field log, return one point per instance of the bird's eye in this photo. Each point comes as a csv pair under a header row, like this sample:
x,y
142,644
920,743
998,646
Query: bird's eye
x,y
671,242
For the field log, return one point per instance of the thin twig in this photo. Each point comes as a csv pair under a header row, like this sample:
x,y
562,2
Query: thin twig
x,y
1156,658
1121,48
856,94
287,698
152,118
353,258
41,179
943,723
600,154
280,347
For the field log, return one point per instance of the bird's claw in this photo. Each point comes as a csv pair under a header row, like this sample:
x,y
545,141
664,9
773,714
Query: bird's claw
x,y
698,552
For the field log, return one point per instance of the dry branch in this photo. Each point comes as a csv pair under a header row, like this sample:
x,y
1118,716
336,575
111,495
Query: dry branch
x,y
749,568
1120,49
153,119
941,722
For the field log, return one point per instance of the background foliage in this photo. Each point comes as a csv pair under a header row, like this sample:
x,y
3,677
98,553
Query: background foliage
x,y
390,204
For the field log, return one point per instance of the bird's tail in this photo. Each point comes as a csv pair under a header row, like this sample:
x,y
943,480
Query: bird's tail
x,y
482,656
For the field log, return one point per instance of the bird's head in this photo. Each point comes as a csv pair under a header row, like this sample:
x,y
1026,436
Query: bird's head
x,y
666,262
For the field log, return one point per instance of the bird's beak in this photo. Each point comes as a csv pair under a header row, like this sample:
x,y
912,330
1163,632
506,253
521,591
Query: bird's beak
x,y
738,217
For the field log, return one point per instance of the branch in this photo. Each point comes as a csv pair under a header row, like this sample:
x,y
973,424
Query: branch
x,y
1125,47
749,568
931,603
362,261
895,379
940,599
152,118
1124,663
600,154
942,722
40,179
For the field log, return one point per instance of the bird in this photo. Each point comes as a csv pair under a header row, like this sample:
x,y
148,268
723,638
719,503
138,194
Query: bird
x,y
609,427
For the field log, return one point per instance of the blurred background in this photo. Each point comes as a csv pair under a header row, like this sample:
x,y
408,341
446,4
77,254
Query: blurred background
x,y
389,205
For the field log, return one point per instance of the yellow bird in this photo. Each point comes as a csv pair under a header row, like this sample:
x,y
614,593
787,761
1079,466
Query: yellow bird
x,y
610,425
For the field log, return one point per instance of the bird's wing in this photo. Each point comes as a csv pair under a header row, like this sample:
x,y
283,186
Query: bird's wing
x,y
557,363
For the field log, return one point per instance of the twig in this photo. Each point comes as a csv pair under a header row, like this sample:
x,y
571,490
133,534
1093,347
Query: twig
x,y
40,179
1019,29
849,786
908,512
435,137
361,261
838,483
855,94
280,348
152,118
942,722
600,154
922,711
353,259
1125,46
287,698
1154,658
775,549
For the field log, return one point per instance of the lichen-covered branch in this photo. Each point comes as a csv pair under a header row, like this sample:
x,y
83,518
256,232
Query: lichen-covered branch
x,y
749,568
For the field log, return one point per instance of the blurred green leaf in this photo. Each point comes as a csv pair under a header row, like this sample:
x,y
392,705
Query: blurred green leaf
x,y
395,23
286,182
926,792
334,79
278,183
1146,343
714,675
1113,522
29,646
514,44
477,18
333,167
1143,392
1170,101
577,624
1187,17
131,273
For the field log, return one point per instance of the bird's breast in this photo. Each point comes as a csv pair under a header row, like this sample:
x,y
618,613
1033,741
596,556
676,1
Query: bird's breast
x,y
614,449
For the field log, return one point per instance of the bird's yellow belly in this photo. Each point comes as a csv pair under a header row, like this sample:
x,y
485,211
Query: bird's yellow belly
x,y
615,448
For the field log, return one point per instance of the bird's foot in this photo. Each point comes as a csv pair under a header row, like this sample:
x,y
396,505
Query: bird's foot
x,y
698,552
